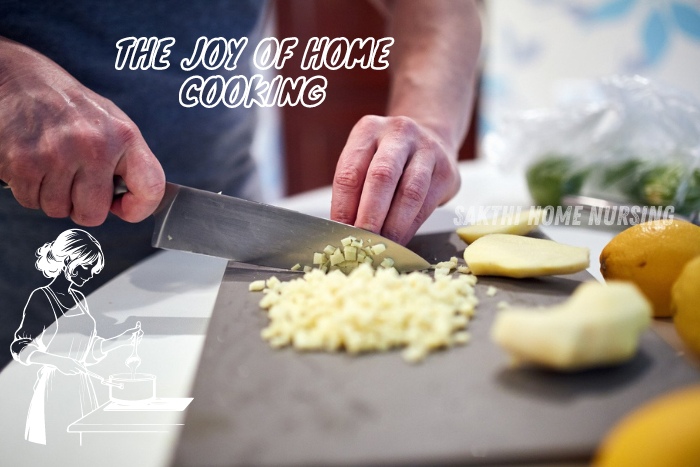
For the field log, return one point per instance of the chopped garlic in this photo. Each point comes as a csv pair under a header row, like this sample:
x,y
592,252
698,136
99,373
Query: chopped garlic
x,y
337,257
442,272
350,253
491,291
296,267
347,257
460,338
256,286
369,310
446,265
272,282
378,249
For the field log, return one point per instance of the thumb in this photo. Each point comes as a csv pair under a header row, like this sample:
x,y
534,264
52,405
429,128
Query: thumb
x,y
145,182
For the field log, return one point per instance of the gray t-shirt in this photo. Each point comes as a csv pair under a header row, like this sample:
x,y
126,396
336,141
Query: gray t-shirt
x,y
205,148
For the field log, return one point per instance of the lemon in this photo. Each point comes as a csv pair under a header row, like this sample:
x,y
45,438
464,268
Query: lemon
x,y
685,303
652,255
664,432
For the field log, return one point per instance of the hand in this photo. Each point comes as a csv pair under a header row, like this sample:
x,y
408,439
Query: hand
x,y
136,335
68,366
131,336
61,144
128,337
391,176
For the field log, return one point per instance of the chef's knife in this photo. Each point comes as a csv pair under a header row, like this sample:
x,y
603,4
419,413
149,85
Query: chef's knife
x,y
198,221
203,222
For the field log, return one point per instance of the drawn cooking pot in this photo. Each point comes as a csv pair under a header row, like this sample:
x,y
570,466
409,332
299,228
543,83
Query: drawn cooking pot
x,y
139,388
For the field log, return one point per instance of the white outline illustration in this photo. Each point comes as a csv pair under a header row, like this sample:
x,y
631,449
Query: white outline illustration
x,y
65,349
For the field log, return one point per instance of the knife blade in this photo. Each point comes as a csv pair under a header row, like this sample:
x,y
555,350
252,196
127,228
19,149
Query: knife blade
x,y
198,221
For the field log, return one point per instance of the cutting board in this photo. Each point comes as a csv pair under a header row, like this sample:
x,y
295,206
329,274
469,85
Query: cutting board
x,y
257,406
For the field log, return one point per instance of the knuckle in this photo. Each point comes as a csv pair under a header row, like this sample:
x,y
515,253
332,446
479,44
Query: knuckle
x,y
87,218
154,189
23,169
86,143
25,199
414,192
370,122
348,179
56,210
126,130
383,174
92,135
91,140
404,125
430,145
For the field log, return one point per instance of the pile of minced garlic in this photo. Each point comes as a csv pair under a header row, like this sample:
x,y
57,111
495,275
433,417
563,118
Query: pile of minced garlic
x,y
368,310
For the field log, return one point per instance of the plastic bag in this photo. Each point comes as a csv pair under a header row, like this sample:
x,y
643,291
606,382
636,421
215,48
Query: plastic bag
x,y
637,142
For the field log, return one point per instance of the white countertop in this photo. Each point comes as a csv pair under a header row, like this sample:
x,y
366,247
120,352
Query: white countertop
x,y
173,294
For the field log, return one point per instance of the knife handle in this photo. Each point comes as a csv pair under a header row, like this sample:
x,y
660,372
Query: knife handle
x,y
119,186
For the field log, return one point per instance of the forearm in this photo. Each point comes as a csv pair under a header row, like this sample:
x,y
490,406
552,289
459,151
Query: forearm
x,y
19,60
105,346
433,65
113,343
40,357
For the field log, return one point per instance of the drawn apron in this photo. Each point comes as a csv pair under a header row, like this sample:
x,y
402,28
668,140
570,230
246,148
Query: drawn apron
x,y
60,399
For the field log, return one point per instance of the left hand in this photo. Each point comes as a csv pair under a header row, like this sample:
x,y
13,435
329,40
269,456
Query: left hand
x,y
391,175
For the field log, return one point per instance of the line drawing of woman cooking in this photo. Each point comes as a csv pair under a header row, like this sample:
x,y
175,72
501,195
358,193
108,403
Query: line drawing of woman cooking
x,y
63,391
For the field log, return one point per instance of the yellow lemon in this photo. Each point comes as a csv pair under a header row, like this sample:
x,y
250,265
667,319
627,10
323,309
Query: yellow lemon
x,y
652,255
685,303
664,432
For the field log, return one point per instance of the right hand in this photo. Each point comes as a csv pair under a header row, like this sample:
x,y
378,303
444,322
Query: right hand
x,y
68,366
61,144
131,336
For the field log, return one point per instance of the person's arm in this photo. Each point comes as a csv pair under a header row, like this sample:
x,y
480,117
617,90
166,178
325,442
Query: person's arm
x,y
31,331
61,144
66,365
102,346
29,347
395,170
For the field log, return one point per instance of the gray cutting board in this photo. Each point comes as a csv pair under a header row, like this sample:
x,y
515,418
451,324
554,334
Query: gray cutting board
x,y
257,406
